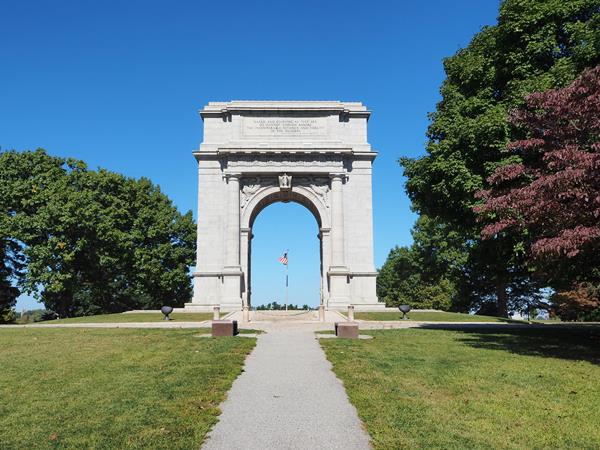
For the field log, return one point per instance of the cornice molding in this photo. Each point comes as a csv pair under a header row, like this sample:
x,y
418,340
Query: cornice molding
x,y
226,109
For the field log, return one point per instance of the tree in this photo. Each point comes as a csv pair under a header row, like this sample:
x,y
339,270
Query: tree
x,y
536,45
26,183
440,270
551,196
400,282
10,269
422,275
582,302
96,241
398,277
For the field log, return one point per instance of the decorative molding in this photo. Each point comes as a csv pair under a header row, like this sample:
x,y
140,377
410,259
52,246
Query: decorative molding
x,y
285,160
252,185
245,107
285,182
318,185
232,176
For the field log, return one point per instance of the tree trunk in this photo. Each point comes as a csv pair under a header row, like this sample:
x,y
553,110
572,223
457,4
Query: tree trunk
x,y
502,300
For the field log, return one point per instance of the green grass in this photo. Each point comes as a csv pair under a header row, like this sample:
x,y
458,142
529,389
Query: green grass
x,y
416,388
426,316
136,317
113,389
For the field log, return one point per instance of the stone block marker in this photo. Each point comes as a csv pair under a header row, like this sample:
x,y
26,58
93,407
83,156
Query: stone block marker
x,y
346,330
224,328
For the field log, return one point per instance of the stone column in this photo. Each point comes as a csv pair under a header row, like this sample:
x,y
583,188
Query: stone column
x,y
232,241
210,251
337,221
338,272
245,236
325,237
232,271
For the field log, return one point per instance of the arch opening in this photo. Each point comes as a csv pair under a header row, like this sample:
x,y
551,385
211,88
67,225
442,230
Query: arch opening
x,y
285,229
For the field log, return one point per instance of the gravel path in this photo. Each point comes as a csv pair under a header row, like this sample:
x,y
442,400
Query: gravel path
x,y
287,398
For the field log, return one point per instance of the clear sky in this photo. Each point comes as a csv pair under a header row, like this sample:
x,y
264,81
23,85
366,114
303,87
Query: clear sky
x,y
119,83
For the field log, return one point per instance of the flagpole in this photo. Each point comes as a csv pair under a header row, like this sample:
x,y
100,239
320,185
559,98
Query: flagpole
x,y
286,279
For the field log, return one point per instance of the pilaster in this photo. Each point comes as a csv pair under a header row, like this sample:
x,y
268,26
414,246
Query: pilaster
x,y
232,271
338,271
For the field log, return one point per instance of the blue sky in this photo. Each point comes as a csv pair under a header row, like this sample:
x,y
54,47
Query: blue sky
x,y
119,84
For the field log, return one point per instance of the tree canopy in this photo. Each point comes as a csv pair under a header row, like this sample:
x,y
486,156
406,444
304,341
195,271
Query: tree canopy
x,y
536,45
420,275
551,197
92,241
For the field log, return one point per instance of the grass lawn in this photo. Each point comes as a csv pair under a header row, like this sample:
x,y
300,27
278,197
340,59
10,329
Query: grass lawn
x,y
136,317
418,388
435,316
113,389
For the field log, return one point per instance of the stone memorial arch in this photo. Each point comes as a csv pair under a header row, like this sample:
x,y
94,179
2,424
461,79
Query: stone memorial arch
x,y
256,153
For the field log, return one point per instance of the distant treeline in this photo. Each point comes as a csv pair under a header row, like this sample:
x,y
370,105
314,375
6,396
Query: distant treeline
x,y
34,315
274,306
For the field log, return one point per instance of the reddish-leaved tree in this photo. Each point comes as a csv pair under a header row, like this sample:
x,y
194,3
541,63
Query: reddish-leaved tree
x,y
551,197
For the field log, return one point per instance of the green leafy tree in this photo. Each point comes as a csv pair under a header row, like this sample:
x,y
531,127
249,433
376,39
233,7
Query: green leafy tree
x,y
8,316
536,45
553,196
423,275
10,269
96,241
27,181
400,282
398,277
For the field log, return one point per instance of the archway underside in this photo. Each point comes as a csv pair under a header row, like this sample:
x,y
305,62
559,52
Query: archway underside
x,y
284,197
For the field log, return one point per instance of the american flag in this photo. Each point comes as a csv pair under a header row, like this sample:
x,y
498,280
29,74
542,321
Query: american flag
x,y
284,259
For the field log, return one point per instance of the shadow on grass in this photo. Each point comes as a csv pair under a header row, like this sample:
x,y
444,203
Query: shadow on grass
x,y
572,342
